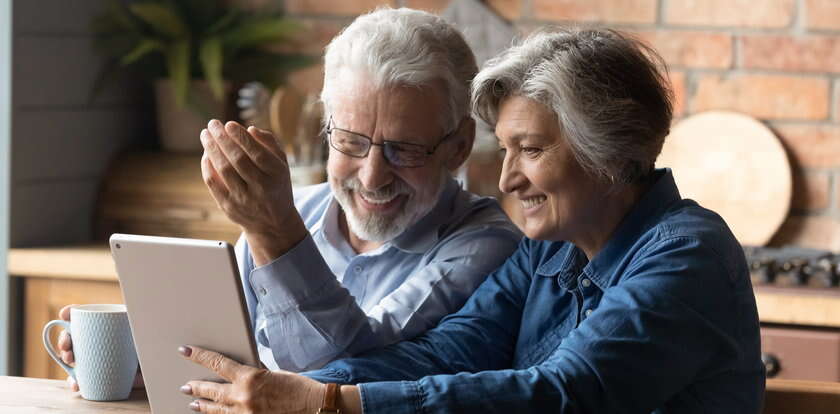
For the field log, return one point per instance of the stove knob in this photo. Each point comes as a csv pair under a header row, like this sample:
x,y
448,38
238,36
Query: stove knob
x,y
771,364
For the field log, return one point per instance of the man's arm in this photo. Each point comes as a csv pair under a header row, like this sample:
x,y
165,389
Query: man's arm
x,y
311,319
481,336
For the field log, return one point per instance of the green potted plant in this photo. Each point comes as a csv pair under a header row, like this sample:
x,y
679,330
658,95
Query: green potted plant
x,y
194,51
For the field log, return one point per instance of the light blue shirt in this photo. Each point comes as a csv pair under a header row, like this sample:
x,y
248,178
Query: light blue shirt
x,y
321,301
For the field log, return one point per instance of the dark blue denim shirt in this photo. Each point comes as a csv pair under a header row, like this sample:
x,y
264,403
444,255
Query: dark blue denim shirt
x,y
662,320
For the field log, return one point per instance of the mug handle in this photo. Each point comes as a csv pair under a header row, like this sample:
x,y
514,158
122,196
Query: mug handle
x,y
51,350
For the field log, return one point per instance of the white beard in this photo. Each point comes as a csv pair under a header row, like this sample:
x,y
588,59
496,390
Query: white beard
x,y
380,228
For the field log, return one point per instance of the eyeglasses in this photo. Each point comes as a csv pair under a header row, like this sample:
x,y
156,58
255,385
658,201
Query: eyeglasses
x,y
398,154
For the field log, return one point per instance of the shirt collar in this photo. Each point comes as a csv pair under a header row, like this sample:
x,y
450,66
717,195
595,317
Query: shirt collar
x,y
328,224
569,261
421,236
566,264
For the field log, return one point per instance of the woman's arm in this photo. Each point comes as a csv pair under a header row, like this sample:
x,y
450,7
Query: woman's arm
x,y
672,322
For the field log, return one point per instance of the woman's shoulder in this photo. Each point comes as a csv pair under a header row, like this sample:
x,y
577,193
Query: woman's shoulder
x,y
687,225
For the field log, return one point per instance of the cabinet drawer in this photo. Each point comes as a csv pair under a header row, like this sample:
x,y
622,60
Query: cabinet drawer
x,y
802,354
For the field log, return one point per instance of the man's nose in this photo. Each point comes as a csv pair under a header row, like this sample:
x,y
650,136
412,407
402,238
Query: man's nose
x,y
375,172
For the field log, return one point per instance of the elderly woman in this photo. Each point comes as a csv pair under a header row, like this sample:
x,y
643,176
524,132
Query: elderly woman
x,y
624,297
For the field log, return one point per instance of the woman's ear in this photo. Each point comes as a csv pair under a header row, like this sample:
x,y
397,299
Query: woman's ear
x,y
463,141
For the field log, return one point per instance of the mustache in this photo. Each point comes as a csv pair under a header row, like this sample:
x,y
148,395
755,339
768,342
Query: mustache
x,y
395,188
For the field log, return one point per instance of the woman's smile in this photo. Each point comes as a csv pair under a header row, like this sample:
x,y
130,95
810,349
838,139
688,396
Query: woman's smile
x,y
532,204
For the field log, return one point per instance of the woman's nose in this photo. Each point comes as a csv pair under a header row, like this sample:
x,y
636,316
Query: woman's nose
x,y
511,178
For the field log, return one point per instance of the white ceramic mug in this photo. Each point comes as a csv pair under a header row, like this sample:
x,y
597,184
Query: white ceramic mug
x,y
106,362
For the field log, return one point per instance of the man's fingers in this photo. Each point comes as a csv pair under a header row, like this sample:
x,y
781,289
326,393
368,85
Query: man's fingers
x,y
264,158
64,313
207,390
269,141
214,361
213,180
240,149
230,176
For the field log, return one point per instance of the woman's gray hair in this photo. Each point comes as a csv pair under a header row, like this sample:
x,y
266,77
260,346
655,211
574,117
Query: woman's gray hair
x,y
611,99
404,47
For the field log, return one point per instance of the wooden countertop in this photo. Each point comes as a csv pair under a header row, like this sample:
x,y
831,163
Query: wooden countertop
x,y
799,306
795,396
31,395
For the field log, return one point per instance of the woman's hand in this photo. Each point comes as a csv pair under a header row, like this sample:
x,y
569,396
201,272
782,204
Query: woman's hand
x,y
251,390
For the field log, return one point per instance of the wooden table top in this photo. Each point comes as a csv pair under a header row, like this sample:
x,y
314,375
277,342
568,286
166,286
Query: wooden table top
x,y
32,395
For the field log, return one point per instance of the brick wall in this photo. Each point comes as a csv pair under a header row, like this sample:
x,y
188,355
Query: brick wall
x,y
777,60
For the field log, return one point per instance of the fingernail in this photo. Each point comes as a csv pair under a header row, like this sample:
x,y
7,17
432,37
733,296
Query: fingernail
x,y
186,389
185,350
194,406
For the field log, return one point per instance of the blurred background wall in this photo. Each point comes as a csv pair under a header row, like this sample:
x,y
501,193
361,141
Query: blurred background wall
x,y
63,137
776,60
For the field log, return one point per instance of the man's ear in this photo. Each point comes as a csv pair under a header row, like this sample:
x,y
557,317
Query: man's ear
x,y
463,142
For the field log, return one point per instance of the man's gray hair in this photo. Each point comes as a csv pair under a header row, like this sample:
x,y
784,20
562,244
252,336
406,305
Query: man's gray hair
x,y
611,99
404,47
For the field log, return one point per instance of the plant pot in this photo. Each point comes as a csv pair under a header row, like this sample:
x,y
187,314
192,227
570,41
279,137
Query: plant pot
x,y
179,128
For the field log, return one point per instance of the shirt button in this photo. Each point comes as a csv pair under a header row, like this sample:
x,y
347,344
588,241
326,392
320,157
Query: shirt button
x,y
357,269
263,291
585,282
587,313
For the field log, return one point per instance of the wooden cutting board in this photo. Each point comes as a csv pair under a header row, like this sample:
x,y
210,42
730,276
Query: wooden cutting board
x,y
734,165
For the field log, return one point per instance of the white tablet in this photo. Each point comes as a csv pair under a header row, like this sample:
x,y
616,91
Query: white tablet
x,y
181,292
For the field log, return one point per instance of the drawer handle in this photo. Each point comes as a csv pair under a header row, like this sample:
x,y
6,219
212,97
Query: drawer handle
x,y
771,364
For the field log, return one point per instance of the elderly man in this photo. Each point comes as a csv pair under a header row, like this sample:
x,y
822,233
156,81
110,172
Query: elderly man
x,y
391,243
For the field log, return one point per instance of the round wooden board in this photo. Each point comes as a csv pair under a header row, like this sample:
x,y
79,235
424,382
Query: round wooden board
x,y
734,165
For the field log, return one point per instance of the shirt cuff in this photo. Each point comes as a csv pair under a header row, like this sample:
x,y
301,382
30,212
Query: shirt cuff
x,y
292,278
392,397
326,375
